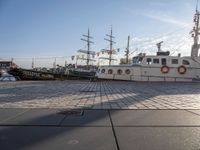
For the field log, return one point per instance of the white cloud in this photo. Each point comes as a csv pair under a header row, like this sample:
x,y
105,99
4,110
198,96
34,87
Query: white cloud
x,y
164,17
176,43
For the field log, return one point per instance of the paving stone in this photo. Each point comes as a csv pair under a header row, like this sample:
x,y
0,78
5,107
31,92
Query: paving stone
x,y
72,94
10,113
154,118
160,138
36,117
60,138
89,118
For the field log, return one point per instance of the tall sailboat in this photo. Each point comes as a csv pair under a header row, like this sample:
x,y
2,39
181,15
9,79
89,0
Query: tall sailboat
x,y
89,53
88,70
110,51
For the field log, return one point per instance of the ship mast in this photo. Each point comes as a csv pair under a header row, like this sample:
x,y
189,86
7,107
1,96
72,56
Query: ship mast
x,y
88,52
110,51
127,51
32,63
195,34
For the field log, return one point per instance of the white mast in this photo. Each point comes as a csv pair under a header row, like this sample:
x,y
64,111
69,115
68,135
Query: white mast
x,y
127,52
195,34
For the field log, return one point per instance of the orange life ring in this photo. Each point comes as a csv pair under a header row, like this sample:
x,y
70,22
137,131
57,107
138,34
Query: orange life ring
x,y
164,69
182,69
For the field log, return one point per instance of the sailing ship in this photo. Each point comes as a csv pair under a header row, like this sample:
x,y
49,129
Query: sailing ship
x,y
87,71
67,72
160,67
31,74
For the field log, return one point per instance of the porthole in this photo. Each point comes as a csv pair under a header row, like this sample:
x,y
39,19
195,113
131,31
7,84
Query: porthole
x,y
110,71
103,71
119,71
127,71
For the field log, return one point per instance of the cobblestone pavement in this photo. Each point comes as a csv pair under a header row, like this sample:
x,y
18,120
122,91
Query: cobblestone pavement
x,y
99,95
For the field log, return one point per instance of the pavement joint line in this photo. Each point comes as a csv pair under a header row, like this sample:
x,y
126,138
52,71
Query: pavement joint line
x,y
61,121
75,126
188,110
12,117
113,130
157,126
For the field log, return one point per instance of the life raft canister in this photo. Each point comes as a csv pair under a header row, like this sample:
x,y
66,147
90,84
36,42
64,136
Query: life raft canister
x,y
164,69
182,69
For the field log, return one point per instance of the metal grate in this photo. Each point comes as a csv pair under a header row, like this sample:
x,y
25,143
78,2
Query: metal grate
x,y
71,112
87,91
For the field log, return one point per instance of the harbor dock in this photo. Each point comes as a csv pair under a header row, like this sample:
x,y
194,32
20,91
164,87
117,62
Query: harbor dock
x,y
103,115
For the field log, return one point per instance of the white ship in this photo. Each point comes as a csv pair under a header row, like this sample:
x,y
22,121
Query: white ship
x,y
161,67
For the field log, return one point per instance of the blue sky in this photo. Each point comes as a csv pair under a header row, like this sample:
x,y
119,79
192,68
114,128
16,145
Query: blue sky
x,y
45,28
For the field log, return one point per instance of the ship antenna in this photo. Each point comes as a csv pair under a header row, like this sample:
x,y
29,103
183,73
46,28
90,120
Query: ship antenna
x,y
195,34
197,6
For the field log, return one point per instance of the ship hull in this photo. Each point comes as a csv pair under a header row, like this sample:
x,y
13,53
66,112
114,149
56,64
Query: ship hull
x,y
84,74
26,74
153,74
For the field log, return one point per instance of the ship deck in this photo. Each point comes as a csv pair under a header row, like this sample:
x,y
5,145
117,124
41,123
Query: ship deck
x,y
103,115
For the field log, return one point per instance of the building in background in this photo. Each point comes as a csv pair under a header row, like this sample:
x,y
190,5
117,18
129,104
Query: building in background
x,y
6,65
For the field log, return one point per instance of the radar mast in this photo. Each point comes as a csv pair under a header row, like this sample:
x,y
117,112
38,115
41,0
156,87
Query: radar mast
x,y
195,34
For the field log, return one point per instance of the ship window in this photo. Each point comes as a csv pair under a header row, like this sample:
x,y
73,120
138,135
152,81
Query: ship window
x,y
127,71
110,71
148,61
140,60
186,62
156,61
137,60
119,71
164,62
174,61
103,71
